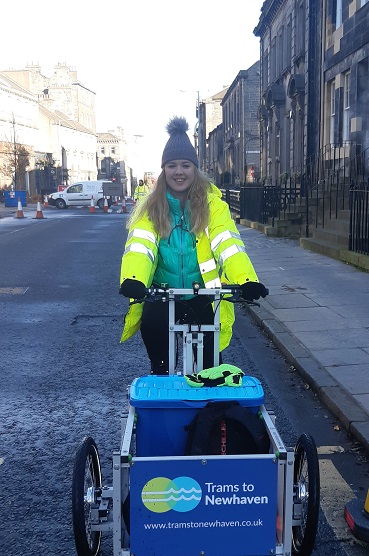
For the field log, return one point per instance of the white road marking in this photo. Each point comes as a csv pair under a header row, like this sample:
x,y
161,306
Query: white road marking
x,y
326,450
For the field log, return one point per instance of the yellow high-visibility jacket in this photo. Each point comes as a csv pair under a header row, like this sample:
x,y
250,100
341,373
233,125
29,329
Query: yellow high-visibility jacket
x,y
141,191
221,256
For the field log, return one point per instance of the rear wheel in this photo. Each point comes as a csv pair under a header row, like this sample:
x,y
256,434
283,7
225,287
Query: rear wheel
x,y
60,204
86,478
306,498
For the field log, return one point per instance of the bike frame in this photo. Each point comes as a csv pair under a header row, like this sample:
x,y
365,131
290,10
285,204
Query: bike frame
x,y
192,334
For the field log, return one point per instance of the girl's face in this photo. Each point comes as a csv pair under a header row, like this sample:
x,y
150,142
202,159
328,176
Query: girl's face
x,y
180,175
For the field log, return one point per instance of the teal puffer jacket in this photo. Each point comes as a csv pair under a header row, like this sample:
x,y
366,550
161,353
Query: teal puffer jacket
x,y
177,256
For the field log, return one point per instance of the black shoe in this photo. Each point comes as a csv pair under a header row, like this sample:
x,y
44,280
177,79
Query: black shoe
x,y
159,368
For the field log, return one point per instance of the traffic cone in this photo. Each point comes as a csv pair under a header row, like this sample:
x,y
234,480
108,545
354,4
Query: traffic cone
x,y
39,211
357,518
46,201
92,206
20,209
106,206
116,201
124,208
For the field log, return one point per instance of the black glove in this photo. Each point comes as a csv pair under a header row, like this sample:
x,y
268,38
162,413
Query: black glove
x,y
253,290
133,289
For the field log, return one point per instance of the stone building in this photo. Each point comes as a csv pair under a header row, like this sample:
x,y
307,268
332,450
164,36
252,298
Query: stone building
x,y
314,85
54,118
61,92
241,143
290,58
209,114
345,75
215,162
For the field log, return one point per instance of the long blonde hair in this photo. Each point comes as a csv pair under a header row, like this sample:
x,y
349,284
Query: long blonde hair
x,y
157,208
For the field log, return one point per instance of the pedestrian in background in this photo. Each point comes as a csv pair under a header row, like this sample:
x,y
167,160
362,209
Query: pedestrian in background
x,y
181,233
141,191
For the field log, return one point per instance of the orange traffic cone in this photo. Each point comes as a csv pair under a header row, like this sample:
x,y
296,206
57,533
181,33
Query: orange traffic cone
x,y
92,206
19,209
39,211
106,206
124,208
46,201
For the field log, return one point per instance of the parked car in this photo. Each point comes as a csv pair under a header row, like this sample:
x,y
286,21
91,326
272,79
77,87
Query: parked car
x,y
80,194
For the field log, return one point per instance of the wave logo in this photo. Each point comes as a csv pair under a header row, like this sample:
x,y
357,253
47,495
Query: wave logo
x,y
182,494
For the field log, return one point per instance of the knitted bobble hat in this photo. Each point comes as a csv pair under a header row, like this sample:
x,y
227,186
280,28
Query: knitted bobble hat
x,y
179,146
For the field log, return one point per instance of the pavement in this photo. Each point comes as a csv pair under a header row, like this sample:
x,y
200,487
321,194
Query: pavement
x,y
6,212
317,314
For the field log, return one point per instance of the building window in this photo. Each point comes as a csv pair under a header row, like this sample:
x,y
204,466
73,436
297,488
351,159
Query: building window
x,y
288,45
102,150
332,102
280,52
338,13
265,71
300,29
346,108
273,63
113,150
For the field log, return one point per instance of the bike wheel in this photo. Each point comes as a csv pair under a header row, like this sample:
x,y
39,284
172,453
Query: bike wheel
x,y
306,480
86,474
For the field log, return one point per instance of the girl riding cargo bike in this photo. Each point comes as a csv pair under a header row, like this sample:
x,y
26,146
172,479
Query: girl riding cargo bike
x,y
201,468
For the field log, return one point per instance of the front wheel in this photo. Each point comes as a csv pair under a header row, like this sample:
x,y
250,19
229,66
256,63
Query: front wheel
x,y
86,478
306,481
60,204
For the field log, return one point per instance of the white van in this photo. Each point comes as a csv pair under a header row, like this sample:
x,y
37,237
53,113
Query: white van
x,y
80,194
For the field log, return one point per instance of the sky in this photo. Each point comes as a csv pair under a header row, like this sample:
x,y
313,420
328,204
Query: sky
x,y
145,60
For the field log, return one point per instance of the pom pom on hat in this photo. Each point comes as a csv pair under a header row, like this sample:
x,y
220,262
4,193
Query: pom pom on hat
x,y
179,146
178,124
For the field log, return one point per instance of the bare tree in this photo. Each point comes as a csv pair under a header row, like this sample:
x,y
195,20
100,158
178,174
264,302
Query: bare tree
x,y
14,160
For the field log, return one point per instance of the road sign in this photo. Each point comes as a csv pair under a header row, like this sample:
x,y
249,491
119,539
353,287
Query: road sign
x,y
113,190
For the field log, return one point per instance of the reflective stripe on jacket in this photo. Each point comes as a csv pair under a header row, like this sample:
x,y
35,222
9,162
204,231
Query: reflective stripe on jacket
x,y
221,256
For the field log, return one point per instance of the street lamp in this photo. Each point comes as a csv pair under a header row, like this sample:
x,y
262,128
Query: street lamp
x,y
199,129
197,133
134,154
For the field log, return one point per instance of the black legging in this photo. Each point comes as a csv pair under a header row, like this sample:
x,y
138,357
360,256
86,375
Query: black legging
x,y
155,324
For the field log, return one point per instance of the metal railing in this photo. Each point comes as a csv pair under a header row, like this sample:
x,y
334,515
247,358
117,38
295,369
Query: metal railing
x,y
333,180
359,218
263,203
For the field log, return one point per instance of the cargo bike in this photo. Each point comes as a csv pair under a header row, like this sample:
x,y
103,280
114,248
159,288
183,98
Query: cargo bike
x,y
163,502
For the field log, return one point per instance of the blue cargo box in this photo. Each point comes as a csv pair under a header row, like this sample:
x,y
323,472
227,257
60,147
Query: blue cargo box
x,y
165,405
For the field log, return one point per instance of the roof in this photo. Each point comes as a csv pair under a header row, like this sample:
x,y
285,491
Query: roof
x,y
62,119
6,82
106,137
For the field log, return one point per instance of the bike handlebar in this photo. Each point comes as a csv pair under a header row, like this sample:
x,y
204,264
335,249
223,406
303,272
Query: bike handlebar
x,y
228,292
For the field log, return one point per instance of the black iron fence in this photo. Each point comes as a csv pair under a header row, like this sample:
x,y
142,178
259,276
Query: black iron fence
x,y
264,203
359,218
316,195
